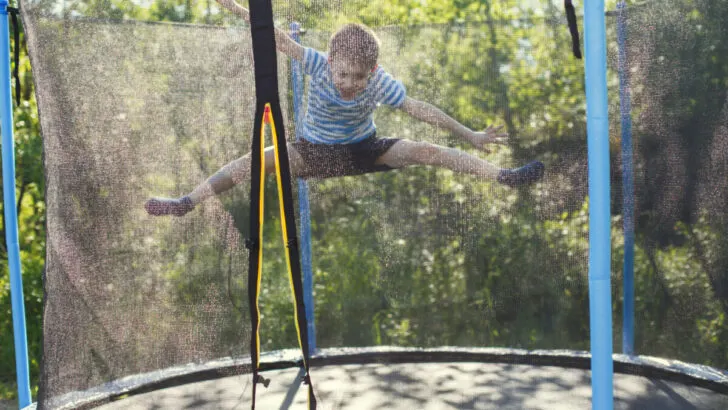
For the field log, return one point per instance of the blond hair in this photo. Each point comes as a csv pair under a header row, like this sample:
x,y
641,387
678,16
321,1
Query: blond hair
x,y
357,43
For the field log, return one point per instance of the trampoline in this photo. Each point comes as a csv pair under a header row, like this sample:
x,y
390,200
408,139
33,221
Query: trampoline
x,y
601,285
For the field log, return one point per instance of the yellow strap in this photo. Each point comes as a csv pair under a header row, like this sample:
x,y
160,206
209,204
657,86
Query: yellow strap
x,y
284,228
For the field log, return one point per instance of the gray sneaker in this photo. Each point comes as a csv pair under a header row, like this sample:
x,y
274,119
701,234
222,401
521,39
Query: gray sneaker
x,y
527,174
169,206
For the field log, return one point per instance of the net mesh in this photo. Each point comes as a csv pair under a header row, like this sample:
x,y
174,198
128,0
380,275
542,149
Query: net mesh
x,y
679,109
418,257
154,116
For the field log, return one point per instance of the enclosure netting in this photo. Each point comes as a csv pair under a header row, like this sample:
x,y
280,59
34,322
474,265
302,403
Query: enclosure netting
x,y
418,257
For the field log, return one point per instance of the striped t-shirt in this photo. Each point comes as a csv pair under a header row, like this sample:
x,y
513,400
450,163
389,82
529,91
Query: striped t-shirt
x,y
332,120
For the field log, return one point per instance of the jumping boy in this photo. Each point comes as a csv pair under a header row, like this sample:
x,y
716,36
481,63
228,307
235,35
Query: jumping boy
x,y
339,136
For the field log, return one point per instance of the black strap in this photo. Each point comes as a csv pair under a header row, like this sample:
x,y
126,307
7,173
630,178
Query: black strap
x,y
573,28
253,247
14,18
264,55
266,86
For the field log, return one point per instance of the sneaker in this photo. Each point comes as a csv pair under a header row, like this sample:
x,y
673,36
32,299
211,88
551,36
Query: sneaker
x,y
527,174
169,206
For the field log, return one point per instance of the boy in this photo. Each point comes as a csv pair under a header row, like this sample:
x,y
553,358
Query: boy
x,y
339,136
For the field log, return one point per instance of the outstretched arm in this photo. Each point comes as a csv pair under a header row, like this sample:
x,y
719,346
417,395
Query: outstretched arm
x,y
284,43
432,115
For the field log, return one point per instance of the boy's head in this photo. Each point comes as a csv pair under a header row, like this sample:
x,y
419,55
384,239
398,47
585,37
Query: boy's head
x,y
353,53
356,43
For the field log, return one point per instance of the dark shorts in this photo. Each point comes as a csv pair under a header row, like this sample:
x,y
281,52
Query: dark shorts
x,y
337,160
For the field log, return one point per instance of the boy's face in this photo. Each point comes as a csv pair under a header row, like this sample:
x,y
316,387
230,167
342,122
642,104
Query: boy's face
x,y
349,77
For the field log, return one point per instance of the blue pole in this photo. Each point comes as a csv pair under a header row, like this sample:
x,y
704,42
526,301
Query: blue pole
x,y
600,298
303,202
11,215
625,109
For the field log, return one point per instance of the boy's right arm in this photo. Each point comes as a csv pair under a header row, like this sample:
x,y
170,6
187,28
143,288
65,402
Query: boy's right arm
x,y
284,42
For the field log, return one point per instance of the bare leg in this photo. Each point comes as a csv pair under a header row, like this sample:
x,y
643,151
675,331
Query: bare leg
x,y
405,153
224,179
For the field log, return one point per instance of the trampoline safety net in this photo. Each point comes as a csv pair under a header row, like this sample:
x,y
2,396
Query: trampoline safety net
x,y
149,99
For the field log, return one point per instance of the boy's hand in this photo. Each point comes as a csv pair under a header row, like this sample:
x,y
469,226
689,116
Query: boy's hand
x,y
235,8
491,135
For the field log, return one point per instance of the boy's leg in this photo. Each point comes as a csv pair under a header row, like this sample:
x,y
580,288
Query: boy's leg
x,y
405,153
227,177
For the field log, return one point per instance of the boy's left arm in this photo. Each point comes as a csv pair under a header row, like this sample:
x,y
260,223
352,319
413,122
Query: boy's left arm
x,y
284,42
432,115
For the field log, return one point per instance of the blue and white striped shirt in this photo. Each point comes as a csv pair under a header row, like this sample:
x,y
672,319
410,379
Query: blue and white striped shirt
x,y
332,120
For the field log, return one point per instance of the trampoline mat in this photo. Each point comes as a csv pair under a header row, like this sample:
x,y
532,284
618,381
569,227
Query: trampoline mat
x,y
428,386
